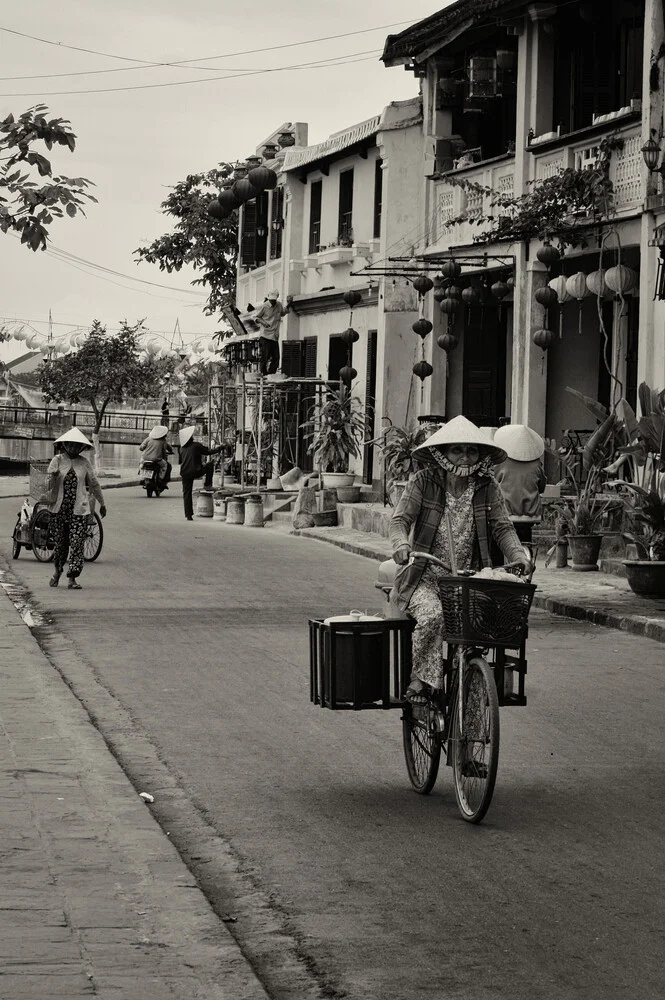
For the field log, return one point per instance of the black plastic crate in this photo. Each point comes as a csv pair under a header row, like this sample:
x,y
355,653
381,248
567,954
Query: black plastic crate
x,y
360,665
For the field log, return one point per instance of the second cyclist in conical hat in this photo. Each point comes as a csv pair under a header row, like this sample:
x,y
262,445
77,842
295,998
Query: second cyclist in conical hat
x,y
456,479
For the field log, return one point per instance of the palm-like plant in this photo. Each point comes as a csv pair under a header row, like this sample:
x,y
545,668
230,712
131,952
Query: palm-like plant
x,y
335,429
397,451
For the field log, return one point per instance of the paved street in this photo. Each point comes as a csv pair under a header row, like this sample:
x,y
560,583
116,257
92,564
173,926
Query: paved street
x,y
188,646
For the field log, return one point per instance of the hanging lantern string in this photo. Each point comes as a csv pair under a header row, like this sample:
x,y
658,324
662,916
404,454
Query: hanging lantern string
x,y
617,385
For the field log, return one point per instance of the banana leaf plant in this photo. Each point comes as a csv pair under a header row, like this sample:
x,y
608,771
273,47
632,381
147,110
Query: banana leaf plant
x,y
336,429
397,446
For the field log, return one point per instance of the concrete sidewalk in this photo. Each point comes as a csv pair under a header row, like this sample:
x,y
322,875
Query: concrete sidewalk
x,y
19,486
94,899
601,598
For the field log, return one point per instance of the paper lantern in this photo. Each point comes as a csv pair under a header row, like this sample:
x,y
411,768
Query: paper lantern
x,y
21,333
621,279
352,297
451,269
32,341
545,296
423,370
143,357
500,289
447,341
470,296
548,255
217,210
543,338
211,348
347,374
562,294
423,284
72,339
454,292
596,283
262,178
228,199
449,306
576,287
350,336
439,294
244,190
422,327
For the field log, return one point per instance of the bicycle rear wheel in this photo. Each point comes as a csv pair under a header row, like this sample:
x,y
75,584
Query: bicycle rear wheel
x,y
422,747
475,752
94,538
42,542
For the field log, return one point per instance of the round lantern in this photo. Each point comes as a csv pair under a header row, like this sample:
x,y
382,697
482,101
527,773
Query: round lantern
x,y
454,292
451,269
72,339
449,306
244,190
350,336
21,333
352,297
210,348
447,341
32,341
500,289
262,178
423,370
439,294
228,199
596,283
559,286
545,296
423,284
218,211
576,287
543,338
422,327
621,279
143,357
470,296
548,255
347,374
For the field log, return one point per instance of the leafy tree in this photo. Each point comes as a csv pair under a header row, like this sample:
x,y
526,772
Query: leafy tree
x,y
208,245
26,207
104,370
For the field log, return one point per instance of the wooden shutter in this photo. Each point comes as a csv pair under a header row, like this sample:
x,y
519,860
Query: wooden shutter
x,y
370,403
292,358
261,247
345,224
378,197
309,366
315,190
248,235
277,223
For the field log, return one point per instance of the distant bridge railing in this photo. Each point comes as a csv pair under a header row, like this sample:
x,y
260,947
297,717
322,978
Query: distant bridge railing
x,y
45,416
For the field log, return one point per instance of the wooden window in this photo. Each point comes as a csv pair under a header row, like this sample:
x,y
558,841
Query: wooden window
x,y
248,235
378,197
277,223
338,356
315,190
292,358
370,403
345,224
309,367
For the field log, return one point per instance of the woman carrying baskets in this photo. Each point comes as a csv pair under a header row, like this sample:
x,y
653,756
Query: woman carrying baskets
x,y
457,482
71,478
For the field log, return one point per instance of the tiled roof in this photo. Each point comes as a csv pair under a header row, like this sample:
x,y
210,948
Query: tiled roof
x,y
435,28
296,158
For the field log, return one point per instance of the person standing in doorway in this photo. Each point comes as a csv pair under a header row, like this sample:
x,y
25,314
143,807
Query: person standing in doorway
x,y
71,483
521,477
269,318
192,467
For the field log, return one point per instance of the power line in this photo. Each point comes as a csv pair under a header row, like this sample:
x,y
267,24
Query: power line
x,y
121,274
150,64
183,83
87,323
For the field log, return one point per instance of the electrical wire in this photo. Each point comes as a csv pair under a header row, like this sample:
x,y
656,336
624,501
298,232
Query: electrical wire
x,y
184,83
150,64
121,274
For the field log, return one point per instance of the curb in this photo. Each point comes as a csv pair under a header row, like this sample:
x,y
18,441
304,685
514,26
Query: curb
x,y
104,485
635,624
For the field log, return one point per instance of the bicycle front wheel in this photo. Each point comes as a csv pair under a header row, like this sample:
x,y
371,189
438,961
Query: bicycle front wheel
x,y
475,750
42,542
94,538
422,747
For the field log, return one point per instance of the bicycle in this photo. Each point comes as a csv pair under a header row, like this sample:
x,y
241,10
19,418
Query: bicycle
x,y
462,719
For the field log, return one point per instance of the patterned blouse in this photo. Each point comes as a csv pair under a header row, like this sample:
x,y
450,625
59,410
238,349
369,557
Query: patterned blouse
x,y
460,510
69,486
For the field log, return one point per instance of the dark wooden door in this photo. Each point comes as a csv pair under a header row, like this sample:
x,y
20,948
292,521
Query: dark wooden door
x,y
484,389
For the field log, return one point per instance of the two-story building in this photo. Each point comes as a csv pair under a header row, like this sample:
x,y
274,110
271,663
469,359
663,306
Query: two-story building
x,y
342,204
515,93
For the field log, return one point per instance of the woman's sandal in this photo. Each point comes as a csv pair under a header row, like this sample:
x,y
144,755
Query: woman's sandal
x,y
73,585
417,693
55,579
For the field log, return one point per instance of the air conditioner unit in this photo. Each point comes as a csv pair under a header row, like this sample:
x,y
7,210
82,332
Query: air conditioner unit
x,y
482,76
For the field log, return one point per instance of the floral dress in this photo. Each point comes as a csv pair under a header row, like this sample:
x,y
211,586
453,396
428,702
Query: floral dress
x,y
425,603
69,529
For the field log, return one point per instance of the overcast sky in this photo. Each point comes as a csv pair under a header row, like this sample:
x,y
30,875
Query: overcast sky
x,y
134,143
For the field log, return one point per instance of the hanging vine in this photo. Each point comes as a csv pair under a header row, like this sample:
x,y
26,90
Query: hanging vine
x,y
552,207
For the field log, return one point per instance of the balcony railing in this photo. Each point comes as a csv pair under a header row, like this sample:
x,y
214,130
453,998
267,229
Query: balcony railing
x,y
451,201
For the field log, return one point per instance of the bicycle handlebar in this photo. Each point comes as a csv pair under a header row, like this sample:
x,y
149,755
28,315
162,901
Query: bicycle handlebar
x,y
439,562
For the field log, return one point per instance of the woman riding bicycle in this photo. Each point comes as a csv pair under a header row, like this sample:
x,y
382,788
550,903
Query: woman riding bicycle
x,y
456,481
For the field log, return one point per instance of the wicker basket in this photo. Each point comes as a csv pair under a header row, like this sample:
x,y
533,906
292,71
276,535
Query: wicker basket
x,y
38,479
487,612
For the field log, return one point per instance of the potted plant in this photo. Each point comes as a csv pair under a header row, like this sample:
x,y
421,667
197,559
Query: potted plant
x,y
397,447
335,430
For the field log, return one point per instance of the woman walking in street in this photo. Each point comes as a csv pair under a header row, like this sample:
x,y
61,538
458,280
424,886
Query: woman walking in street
x,y
71,480
191,467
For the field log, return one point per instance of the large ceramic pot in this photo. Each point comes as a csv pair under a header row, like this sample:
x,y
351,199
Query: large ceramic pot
x,y
332,480
646,577
585,550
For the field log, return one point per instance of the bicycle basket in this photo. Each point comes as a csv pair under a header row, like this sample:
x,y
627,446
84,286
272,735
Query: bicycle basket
x,y
487,612
38,479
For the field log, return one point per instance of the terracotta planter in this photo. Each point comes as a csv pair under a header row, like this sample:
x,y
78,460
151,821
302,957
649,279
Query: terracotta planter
x,y
332,480
585,550
646,577
348,494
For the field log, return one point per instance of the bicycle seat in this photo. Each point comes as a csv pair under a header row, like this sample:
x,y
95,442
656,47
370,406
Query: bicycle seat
x,y
385,578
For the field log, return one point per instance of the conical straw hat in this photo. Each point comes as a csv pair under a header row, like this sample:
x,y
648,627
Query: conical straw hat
x,y
459,430
186,434
158,431
520,443
75,435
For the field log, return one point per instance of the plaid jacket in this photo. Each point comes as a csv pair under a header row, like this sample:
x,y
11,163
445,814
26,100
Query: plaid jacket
x,y
418,515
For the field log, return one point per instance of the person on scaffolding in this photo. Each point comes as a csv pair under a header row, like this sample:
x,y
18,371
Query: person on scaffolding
x,y
269,318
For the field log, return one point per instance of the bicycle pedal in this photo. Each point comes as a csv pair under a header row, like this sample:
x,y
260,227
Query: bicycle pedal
x,y
472,769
